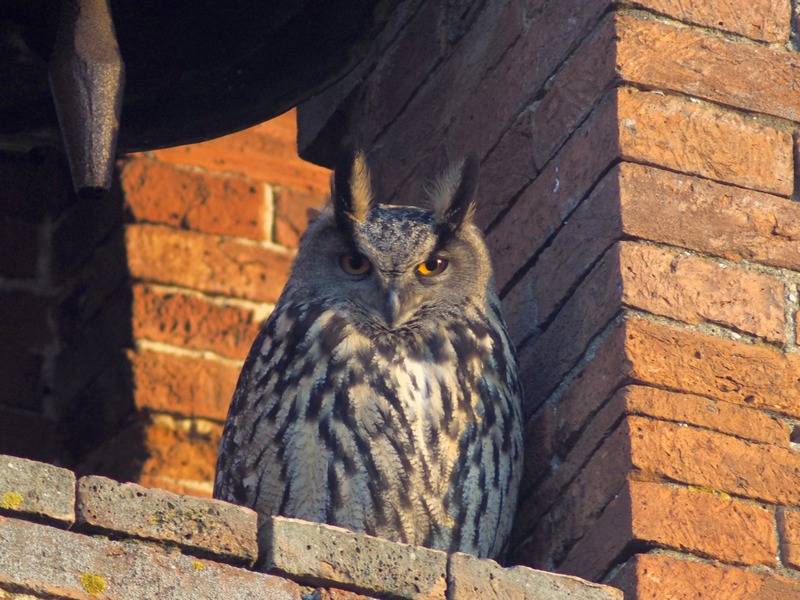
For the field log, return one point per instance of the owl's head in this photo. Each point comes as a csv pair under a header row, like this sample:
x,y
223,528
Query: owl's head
x,y
394,266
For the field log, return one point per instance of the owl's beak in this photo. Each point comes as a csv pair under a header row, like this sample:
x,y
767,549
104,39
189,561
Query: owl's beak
x,y
392,307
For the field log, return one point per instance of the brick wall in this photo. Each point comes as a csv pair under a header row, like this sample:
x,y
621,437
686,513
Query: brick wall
x,y
95,537
125,320
638,192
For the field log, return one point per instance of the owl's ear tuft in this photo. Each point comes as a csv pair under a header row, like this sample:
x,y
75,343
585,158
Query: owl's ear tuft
x,y
454,197
352,189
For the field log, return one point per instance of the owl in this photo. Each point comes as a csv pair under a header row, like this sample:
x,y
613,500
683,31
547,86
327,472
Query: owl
x,y
382,394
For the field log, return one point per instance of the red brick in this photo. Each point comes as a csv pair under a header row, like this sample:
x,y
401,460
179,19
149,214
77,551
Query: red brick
x,y
522,71
687,520
637,350
586,235
207,263
195,322
185,385
687,288
88,348
692,137
575,90
545,204
507,169
684,410
292,210
557,350
744,374
181,456
789,532
710,217
765,20
609,369
160,193
555,522
266,152
680,210
539,448
688,409
733,72
655,576
714,461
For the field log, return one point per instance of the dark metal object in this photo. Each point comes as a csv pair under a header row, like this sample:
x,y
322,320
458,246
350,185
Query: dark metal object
x,y
195,69
87,78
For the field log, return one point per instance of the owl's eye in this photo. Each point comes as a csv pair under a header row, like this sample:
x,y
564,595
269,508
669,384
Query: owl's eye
x,y
432,266
355,264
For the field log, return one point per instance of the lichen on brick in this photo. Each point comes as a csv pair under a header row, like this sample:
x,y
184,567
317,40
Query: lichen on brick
x,y
197,566
11,500
93,584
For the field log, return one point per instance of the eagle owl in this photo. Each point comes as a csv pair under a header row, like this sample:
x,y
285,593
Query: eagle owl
x,y
382,395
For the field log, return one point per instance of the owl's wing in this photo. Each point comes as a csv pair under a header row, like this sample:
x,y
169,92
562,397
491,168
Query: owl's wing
x,y
248,455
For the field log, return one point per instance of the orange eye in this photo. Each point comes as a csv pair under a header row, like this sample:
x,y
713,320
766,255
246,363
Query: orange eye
x,y
432,266
355,264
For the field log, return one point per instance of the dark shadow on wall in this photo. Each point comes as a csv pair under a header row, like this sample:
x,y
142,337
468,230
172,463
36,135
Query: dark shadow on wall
x,y
66,386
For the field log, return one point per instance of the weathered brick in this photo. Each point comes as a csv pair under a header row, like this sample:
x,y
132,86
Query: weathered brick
x,y
716,461
583,79
39,490
648,454
744,374
661,206
212,203
701,139
514,81
202,527
266,152
765,20
48,562
323,555
172,454
539,448
545,362
190,386
687,520
694,290
733,72
668,357
688,409
553,522
469,577
292,210
654,576
789,532
194,321
722,220
212,264
563,182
